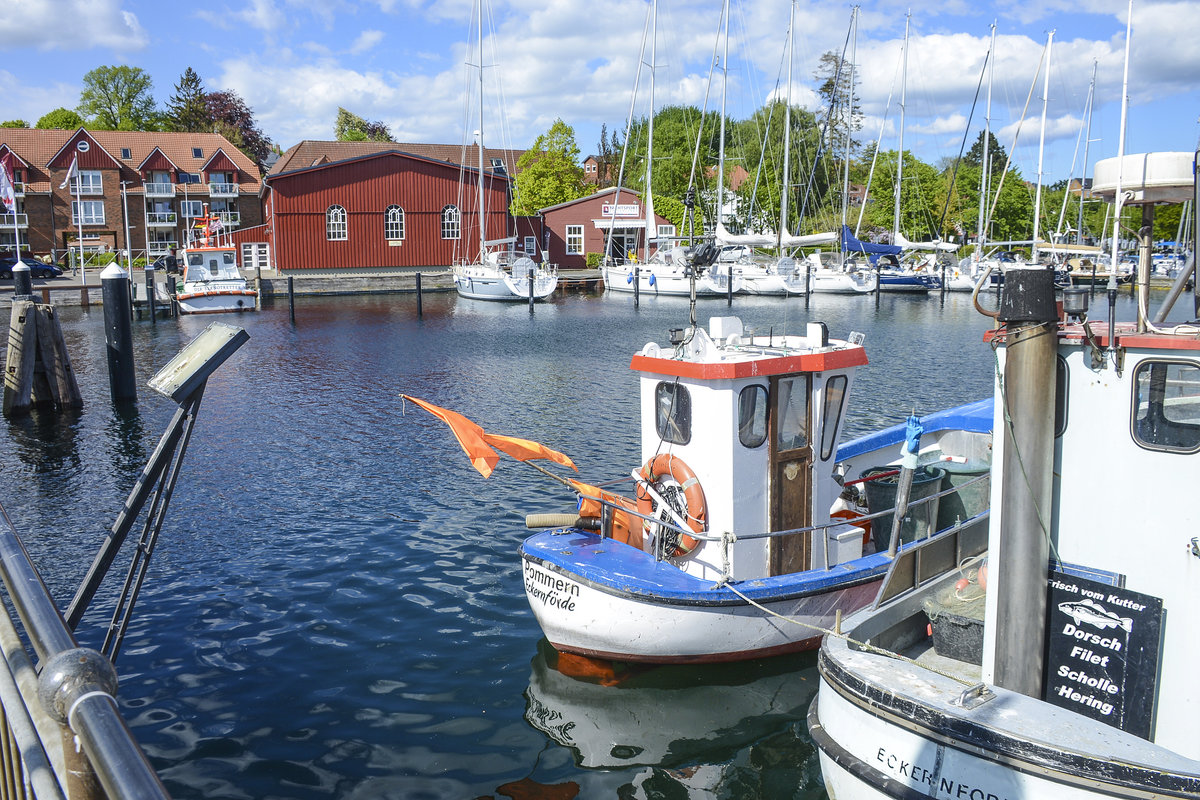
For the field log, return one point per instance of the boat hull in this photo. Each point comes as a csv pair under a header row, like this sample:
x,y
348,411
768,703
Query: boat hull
x,y
498,285
834,282
604,599
217,301
669,282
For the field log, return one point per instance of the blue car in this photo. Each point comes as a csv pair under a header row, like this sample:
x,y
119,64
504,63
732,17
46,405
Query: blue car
x,y
37,269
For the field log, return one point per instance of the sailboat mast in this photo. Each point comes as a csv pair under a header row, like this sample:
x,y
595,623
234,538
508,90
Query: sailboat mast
x,y
787,134
479,177
849,116
900,156
721,144
985,160
1037,198
648,200
1087,143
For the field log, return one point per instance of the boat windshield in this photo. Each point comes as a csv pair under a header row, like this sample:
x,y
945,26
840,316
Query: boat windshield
x,y
212,265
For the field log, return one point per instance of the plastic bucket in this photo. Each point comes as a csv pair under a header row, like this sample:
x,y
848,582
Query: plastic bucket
x,y
968,500
919,522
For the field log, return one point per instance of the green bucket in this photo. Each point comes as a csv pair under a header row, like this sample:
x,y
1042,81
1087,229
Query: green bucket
x,y
968,500
918,523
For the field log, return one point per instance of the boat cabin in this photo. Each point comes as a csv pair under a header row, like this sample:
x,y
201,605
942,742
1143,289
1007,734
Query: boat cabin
x,y
753,420
210,264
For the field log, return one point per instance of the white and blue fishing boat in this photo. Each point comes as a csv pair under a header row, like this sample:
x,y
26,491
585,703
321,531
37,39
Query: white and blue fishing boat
x,y
740,543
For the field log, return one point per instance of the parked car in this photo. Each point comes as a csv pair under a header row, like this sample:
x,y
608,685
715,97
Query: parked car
x,y
37,269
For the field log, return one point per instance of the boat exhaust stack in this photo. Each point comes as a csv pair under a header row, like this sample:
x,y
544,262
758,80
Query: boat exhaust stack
x,y
1020,568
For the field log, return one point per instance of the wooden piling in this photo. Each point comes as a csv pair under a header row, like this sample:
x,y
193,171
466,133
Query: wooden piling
x,y
38,370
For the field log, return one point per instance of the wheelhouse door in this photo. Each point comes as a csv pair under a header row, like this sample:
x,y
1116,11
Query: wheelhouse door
x,y
791,468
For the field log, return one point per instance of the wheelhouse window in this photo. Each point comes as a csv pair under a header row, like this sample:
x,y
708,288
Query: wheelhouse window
x,y
1060,398
1166,406
335,224
752,416
574,240
831,414
451,223
673,413
791,424
393,223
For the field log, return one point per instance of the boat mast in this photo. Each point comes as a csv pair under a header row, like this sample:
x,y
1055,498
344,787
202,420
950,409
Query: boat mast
x,y
849,117
479,177
648,202
721,144
787,135
985,160
900,156
1037,199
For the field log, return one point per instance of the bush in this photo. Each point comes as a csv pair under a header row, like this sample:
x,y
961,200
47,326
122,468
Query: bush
x,y
594,260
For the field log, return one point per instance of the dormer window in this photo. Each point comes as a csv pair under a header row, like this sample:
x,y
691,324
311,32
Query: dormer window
x,y
197,152
126,153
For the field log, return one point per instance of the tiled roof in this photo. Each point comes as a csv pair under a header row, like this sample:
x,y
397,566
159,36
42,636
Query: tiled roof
x,y
37,147
310,153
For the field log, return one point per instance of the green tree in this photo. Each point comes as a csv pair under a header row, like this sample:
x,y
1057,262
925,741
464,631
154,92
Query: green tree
x,y
60,118
548,173
840,107
675,132
187,110
14,123
996,154
608,158
350,127
118,98
922,198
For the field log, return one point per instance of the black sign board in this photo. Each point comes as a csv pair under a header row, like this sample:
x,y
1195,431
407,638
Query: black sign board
x,y
1102,652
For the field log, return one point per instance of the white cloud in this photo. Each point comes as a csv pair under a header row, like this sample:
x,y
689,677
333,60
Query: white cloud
x,y
66,24
23,100
366,41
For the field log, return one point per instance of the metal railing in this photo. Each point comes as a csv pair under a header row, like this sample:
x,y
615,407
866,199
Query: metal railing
x,y
223,190
21,220
69,701
229,218
159,189
161,248
162,218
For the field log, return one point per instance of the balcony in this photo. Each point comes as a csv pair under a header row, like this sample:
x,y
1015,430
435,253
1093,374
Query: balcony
x,y
8,220
161,248
222,190
230,219
161,219
159,189
19,188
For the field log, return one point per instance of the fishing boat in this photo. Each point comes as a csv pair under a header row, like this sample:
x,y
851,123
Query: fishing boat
x,y
737,535
210,281
495,272
1055,656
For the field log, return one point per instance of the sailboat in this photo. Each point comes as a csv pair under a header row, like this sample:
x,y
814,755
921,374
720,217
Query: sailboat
x,y
664,270
496,272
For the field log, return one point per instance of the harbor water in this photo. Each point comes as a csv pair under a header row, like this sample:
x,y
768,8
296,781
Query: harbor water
x,y
335,606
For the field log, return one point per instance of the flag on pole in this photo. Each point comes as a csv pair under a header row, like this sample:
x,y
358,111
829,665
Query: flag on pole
x,y
8,194
478,444
73,172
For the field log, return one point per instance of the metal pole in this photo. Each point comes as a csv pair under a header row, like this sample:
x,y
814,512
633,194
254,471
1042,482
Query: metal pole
x,y
22,281
637,284
530,274
1196,239
419,311
118,334
1021,565
150,304
292,298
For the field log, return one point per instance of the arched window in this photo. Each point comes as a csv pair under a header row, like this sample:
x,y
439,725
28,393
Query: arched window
x,y
335,224
450,222
393,223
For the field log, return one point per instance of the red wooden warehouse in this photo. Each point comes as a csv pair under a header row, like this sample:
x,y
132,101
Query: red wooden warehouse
x,y
374,208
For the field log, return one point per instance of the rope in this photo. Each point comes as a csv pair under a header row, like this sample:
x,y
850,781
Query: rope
x,y
867,646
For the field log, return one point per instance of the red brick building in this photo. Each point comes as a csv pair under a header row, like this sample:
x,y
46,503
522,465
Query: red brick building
x,y
573,229
168,179
377,206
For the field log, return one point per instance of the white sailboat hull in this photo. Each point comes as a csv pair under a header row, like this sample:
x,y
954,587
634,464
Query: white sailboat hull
x,y
659,279
828,281
485,283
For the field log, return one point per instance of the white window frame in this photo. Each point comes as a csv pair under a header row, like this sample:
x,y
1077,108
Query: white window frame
x,y
451,223
666,231
574,239
336,229
530,245
190,209
91,181
89,209
393,224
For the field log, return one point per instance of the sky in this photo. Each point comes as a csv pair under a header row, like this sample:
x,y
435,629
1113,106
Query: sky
x,y
413,65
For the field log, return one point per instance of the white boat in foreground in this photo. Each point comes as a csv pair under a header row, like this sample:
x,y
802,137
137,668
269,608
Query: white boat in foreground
x,y
1063,665
211,282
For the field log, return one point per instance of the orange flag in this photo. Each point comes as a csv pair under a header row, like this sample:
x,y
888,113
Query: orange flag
x,y
475,441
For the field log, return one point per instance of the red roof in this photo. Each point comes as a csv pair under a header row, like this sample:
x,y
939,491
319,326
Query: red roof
x,y
309,153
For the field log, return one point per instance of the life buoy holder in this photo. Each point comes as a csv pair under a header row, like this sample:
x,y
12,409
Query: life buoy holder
x,y
669,475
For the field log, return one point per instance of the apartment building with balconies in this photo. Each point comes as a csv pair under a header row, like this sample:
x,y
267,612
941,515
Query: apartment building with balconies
x,y
155,185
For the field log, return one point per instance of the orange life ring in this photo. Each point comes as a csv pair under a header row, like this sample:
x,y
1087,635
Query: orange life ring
x,y
665,465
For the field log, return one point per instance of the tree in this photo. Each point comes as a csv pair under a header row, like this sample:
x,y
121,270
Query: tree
x,y
350,127
996,154
234,120
608,158
840,109
187,109
118,99
60,118
14,123
548,173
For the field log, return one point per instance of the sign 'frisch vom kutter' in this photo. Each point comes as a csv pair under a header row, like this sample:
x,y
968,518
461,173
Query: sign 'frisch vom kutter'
x,y
1102,652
